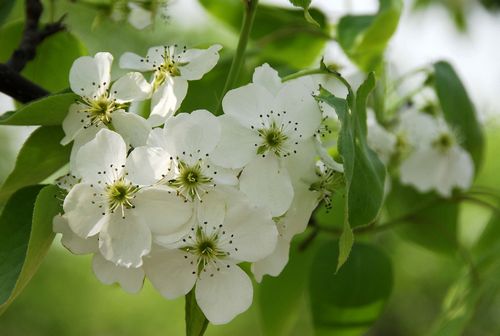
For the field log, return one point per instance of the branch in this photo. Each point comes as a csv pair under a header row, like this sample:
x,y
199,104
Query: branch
x,y
18,87
11,82
32,35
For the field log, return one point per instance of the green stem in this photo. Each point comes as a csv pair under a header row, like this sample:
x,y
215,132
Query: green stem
x,y
239,57
196,322
320,71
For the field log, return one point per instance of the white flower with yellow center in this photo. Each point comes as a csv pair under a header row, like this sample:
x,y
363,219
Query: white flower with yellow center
x,y
208,258
111,202
172,68
437,162
101,104
265,123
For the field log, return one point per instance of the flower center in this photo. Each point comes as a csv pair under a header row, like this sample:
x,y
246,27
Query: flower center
x,y
205,248
329,182
191,182
120,195
99,110
444,141
273,139
169,68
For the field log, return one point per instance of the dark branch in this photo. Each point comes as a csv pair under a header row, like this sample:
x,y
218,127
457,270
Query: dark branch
x,y
33,35
11,82
18,87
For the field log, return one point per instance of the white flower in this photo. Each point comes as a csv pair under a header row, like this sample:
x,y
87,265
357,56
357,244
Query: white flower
x,y
181,151
130,279
293,222
208,256
139,17
379,139
110,203
439,163
172,67
264,124
101,104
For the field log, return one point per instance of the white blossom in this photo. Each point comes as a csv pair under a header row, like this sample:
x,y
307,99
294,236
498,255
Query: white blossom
x,y
172,68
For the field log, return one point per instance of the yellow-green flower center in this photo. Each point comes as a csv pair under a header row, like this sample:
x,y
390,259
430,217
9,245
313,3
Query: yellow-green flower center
x,y
273,140
120,195
205,248
191,182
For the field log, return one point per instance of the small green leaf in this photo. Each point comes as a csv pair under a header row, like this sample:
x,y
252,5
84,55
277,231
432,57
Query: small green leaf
x,y
5,9
346,242
25,237
41,156
458,110
364,37
304,4
349,301
48,111
196,322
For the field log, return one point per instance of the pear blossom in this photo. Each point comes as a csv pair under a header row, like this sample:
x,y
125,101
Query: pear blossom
x,y
130,279
264,124
440,165
172,68
182,152
101,104
207,258
293,222
379,139
109,203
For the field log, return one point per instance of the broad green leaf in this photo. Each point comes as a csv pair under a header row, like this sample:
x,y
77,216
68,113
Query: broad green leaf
x,y
349,301
458,110
5,8
280,35
196,322
425,219
53,60
25,237
48,111
364,37
41,156
281,299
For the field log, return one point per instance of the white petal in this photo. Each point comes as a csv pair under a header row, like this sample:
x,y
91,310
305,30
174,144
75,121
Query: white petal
x,y
73,123
172,272
90,76
102,159
273,264
72,241
192,136
163,211
236,146
246,225
247,103
133,128
213,208
418,128
224,294
84,215
302,110
420,169
139,18
200,61
267,184
83,137
147,165
124,241
130,279
135,62
457,171
297,217
380,140
130,87
167,100
268,78
302,165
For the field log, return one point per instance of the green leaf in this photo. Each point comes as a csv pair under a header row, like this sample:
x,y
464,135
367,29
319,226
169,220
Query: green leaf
x,y
425,219
458,110
48,111
196,322
349,301
53,60
41,156
25,237
364,37
280,35
281,299
5,8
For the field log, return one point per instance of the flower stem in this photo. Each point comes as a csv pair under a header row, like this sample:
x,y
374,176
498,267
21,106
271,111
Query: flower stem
x,y
320,71
239,57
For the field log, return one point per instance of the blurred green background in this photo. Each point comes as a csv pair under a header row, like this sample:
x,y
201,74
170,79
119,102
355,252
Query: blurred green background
x,y
64,297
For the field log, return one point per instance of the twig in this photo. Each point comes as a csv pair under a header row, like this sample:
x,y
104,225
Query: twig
x,y
18,87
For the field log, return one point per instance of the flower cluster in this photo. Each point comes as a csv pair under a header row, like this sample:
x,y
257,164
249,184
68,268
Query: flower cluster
x,y
184,198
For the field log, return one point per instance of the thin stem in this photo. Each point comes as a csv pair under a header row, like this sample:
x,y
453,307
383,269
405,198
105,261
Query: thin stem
x,y
239,57
320,71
